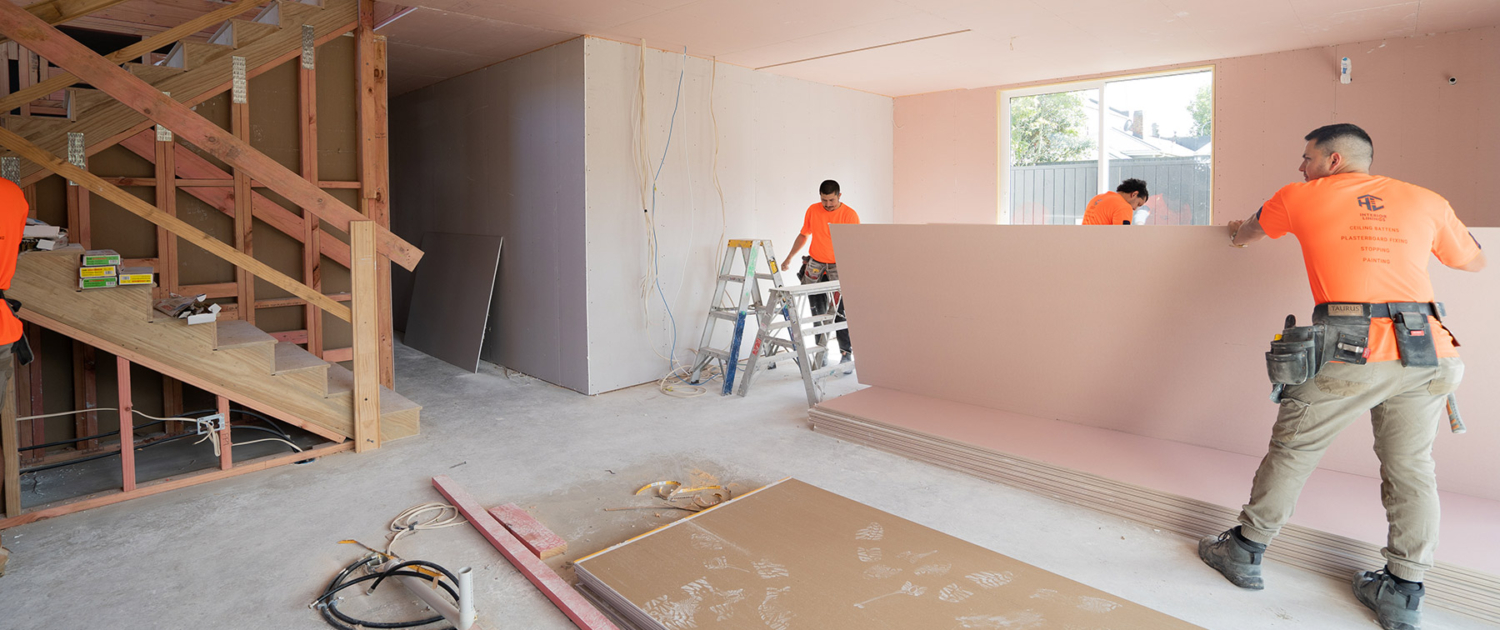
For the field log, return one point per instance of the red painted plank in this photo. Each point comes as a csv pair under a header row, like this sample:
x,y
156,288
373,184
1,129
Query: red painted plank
x,y
540,540
135,93
555,588
127,424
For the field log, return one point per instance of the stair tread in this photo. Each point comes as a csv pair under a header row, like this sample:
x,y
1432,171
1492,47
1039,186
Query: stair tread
x,y
235,333
391,402
246,32
290,357
341,380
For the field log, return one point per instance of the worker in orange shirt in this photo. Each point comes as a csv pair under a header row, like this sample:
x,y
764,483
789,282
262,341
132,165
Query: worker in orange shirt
x,y
13,211
821,266
1117,208
1377,345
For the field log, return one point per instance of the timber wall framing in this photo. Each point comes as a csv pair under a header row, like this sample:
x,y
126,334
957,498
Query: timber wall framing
x,y
324,121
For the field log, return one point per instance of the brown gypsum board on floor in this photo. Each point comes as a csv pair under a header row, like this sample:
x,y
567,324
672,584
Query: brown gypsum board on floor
x,y
451,296
795,551
1456,588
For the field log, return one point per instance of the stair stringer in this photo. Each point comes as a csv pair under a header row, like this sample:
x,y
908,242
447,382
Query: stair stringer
x,y
121,321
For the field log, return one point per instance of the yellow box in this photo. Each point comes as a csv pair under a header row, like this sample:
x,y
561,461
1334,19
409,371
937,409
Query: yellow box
x,y
97,272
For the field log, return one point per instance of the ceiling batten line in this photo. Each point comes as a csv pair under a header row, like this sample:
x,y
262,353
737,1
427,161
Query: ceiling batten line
x,y
846,52
395,16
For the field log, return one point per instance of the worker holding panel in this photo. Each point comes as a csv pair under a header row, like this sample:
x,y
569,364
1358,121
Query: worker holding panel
x,y
1377,344
821,265
1117,208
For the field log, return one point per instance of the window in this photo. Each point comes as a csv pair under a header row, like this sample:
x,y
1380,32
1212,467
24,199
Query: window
x,y
1061,145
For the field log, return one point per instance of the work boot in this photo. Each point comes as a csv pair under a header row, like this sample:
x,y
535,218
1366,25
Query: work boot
x,y
848,358
1233,556
1395,604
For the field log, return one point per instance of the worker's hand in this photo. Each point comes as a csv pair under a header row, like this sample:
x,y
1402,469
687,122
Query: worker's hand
x,y
786,264
1234,227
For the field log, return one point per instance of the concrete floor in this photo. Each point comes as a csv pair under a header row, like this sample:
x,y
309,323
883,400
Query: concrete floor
x,y
253,551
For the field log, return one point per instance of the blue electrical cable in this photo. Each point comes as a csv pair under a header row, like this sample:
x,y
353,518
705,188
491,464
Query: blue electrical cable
x,y
656,257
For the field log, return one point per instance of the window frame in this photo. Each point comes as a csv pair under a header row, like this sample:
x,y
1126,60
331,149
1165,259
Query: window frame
x,y
1003,210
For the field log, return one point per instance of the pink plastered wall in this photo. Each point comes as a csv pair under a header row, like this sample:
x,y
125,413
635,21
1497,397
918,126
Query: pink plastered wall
x,y
1426,131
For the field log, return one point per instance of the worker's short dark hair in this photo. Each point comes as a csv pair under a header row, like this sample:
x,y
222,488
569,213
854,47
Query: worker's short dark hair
x,y
1133,185
828,187
1330,134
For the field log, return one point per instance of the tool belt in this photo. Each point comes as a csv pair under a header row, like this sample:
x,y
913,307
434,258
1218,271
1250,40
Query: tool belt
x,y
1341,332
814,271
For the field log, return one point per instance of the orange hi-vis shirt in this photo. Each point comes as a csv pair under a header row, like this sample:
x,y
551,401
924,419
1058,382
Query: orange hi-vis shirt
x,y
815,225
1108,208
13,211
1367,238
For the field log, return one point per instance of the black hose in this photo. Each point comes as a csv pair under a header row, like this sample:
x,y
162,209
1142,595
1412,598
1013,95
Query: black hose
x,y
327,605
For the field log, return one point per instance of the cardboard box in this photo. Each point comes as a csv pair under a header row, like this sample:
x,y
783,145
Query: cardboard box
x,y
137,276
101,258
97,283
41,231
203,318
98,272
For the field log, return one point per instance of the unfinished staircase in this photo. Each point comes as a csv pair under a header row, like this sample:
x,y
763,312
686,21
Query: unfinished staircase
x,y
230,358
191,73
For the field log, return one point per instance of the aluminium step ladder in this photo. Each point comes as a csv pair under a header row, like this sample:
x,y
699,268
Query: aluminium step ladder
x,y
799,326
747,287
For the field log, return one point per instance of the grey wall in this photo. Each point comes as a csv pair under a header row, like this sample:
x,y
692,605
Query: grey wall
x,y
500,151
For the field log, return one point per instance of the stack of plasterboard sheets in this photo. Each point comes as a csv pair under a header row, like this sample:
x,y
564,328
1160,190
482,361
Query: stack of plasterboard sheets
x,y
1191,490
792,555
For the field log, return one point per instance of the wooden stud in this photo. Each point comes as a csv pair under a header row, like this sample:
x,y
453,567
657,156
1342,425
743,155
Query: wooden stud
x,y
127,424
85,394
338,355
226,444
312,256
563,595
33,391
131,91
166,485
12,457
244,223
166,201
24,430
27,75
374,165
149,212
542,542
366,338
171,403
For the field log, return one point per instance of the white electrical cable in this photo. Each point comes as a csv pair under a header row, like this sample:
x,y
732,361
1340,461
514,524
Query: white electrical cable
x,y
210,435
409,521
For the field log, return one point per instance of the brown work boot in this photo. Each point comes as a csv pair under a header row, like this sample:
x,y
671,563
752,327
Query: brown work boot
x,y
1234,557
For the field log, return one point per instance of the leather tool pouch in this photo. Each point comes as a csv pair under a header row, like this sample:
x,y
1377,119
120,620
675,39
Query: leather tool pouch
x,y
1414,339
1297,355
22,347
812,270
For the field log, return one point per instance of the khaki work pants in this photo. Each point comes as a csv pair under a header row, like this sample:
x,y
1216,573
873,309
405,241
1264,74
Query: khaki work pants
x,y
1405,404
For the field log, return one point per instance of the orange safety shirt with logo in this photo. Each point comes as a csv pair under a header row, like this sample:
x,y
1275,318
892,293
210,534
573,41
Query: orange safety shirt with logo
x,y
815,224
1108,208
1367,238
13,211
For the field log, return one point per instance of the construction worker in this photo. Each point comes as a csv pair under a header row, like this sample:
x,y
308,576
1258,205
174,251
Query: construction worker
x,y
13,211
1117,208
1377,344
821,266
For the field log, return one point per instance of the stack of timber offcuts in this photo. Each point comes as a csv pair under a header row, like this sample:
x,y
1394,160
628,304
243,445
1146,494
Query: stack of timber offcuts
x,y
792,556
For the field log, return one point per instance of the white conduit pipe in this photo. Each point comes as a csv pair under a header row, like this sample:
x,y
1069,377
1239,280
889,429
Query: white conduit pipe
x,y
461,617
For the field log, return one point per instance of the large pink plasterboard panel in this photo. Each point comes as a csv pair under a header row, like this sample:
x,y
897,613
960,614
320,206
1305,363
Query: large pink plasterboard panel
x,y
1441,136
945,157
1334,502
1155,331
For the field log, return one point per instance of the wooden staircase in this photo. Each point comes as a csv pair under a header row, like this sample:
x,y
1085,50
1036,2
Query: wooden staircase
x,y
191,72
230,358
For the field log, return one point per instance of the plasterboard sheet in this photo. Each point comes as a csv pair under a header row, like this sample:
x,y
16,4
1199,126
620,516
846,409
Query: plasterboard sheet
x,y
450,302
1155,331
792,555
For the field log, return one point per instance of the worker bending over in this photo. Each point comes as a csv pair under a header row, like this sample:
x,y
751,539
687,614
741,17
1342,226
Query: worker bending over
x,y
821,266
1117,208
1377,344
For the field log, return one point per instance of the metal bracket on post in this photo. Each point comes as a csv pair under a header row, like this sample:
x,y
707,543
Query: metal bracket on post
x,y
10,168
238,89
75,152
162,133
309,40
211,424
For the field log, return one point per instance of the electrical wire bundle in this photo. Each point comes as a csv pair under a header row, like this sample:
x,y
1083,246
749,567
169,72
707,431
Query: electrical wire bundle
x,y
327,603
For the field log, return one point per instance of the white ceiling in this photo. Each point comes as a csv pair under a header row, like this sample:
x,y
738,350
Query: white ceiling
x,y
1007,41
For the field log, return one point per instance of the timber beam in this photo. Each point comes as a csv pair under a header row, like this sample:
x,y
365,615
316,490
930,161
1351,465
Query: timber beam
x,y
135,93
